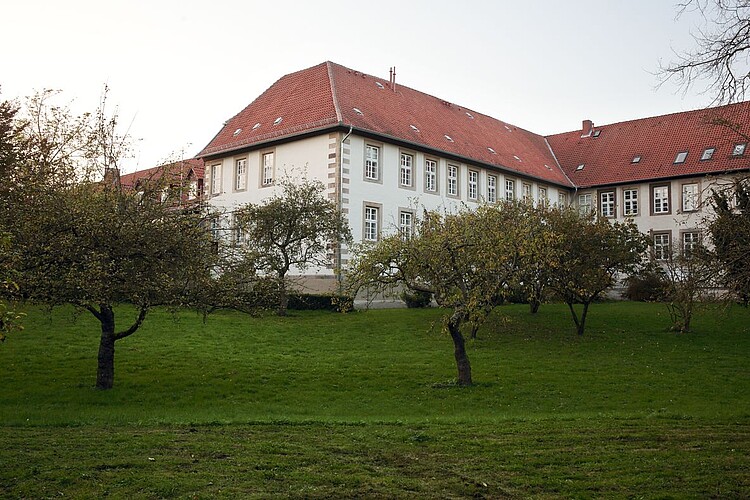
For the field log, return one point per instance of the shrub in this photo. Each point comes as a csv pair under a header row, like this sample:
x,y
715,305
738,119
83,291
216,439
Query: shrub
x,y
320,302
416,299
647,286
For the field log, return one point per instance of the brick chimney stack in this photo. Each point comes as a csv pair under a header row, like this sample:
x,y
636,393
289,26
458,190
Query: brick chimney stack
x,y
587,128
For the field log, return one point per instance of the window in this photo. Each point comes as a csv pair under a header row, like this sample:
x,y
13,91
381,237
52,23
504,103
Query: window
x,y
473,185
238,234
584,203
452,180
543,194
708,153
580,167
681,157
690,197
636,159
510,189
216,179
215,228
739,149
662,245
407,161
267,170
607,204
491,188
691,241
240,174
192,190
660,200
630,202
430,176
372,162
562,199
406,224
372,223
526,191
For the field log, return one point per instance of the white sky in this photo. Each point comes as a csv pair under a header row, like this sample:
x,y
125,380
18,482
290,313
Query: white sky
x,y
177,69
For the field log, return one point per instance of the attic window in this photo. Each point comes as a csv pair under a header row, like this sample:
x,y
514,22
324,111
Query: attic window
x,y
708,153
448,137
469,115
597,133
277,120
257,125
516,157
547,167
508,128
492,151
380,85
681,156
237,132
636,159
580,167
739,149
358,111
414,128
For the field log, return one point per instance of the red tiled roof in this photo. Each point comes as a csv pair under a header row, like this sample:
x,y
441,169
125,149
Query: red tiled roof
x,y
326,96
608,158
180,169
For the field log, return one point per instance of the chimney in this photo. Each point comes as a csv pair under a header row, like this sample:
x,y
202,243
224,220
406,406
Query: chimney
x,y
393,78
588,127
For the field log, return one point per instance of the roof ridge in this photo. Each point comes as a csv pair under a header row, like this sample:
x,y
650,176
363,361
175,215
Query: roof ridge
x,y
335,98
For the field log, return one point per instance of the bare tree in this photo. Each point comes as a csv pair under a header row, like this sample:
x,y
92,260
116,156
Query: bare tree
x,y
720,60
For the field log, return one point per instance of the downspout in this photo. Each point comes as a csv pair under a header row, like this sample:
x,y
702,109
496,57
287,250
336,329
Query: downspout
x,y
340,190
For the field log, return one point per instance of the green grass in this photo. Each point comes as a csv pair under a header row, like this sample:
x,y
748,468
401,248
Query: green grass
x,y
321,404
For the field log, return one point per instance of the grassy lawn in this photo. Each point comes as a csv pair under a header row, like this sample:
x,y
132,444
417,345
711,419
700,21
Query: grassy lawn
x,y
362,405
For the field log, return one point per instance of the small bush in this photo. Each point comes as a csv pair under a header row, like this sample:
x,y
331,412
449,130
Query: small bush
x,y
416,299
320,302
646,286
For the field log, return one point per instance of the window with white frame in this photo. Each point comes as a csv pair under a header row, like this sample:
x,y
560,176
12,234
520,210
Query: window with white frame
x,y
510,189
630,202
407,162
662,245
216,179
739,149
238,233
491,188
562,199
192,190
372,162
526,191
430,176
240,174
267,170
406,224
452,180
215,228
660,200
473,185
691,240
372,223
690,197
542,194
607,204
584,203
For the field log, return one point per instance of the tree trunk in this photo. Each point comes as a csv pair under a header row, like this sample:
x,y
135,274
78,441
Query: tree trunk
x,y
105,372
534,305
582,322
459,351
283,297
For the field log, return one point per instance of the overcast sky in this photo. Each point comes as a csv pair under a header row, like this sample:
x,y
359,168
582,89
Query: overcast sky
x,y
177,69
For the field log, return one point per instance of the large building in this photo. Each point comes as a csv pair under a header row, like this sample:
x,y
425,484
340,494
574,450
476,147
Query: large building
x,y
385,150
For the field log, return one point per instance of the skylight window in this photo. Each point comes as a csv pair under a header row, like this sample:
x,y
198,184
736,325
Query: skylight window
x,y
237,132
681,157
636,159
708,153
449,138
469,115
547,167
597,133
739,149
277,120
580,167
492,151
516,157
414,128
380,85
508,128
257,125
358,111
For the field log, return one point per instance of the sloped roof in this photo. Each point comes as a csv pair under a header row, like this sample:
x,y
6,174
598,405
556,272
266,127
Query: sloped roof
x,y
608,158
178,170
330,95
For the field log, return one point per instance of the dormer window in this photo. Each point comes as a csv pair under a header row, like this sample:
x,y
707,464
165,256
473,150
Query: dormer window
x,y
681,157
739,149
708,153
636,159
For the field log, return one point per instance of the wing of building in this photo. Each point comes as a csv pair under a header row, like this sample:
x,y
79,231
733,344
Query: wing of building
x,y
385,151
